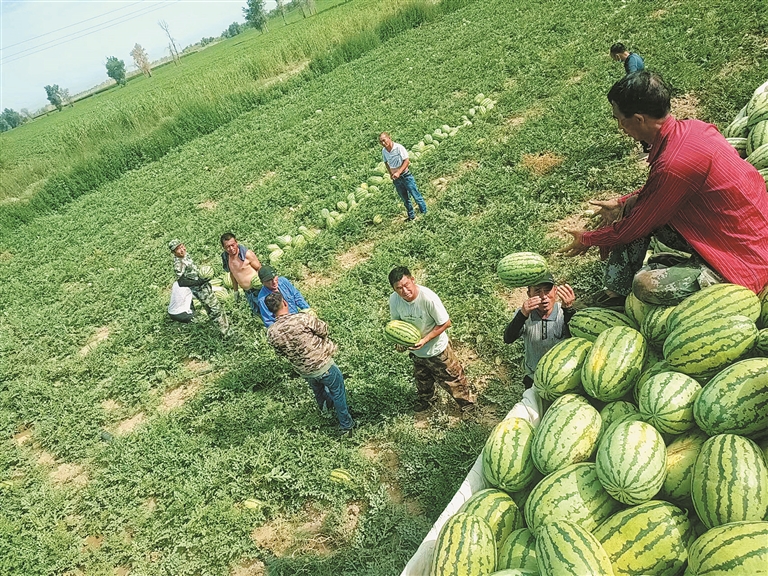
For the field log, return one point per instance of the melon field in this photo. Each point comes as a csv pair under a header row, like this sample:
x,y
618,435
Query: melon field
x,y
135,445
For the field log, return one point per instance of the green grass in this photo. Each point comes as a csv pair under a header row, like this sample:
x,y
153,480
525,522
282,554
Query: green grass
x,y
167,498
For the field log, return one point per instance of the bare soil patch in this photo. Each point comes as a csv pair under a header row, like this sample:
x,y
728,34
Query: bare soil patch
x,y
575,79
282,537
150,504
97,338
178,396
259,181
513,297
311,281
574,221
657,14
23,437
122,571
248,567
542,163
45,458
197,366
686,106
6,257
356,255
110,405
130,424
68,473
92,543
208,205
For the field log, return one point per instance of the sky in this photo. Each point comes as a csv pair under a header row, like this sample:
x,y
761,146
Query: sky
x,y
67,42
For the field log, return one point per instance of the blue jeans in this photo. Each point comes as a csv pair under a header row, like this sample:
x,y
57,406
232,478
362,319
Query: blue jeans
x,y
329,391
406,185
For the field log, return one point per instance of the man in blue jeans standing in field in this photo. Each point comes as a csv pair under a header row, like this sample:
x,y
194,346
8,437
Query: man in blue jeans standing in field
x,y
396,159
303,340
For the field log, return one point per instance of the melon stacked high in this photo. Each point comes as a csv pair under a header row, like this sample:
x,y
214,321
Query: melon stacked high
x,y
651,459
748,132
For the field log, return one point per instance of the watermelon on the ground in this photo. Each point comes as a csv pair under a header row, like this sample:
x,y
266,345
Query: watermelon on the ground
x,y
681,456
613,412
730,481
518,551
498,509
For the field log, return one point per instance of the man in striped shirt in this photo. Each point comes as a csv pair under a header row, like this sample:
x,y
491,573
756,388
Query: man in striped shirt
x,y
704,207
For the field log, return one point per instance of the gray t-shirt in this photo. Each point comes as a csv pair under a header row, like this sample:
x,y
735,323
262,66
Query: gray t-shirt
x,y
540,335
425,312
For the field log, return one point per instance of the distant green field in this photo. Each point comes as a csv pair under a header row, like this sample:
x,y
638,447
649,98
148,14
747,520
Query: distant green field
x,y
133,445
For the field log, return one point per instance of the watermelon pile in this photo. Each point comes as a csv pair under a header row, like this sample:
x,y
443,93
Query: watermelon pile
x,y
651,459
748,132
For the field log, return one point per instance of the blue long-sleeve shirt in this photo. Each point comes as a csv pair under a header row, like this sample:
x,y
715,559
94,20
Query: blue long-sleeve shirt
x,y
290,294
633,63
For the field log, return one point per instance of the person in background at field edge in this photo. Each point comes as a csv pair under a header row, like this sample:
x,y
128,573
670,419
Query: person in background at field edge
x,y
181,309
434,361
188,276
397,162
632,61
703,207
271,283
242,265
303,340
541,321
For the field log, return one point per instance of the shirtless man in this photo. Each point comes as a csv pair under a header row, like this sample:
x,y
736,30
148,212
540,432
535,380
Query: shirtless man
x,y
242,265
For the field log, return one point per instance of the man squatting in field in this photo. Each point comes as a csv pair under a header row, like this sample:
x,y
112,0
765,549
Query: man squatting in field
x,y
434,361
397,162
242,265
188,276
272,283
303,340
541,321
703,209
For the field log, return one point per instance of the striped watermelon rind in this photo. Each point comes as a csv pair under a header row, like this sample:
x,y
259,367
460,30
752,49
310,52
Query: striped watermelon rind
x,y
559,370
465,545
564,547
737,129
518,551
681,456
631,462
497,509
736,400
666,401
654,327
736,548
614,363
716,301
507,461
758,135
635,309
761,344
730,481
651,538
402,333
613,412
648,373
521,269
762,321
566,434
759,157
703,347
573,493
589,323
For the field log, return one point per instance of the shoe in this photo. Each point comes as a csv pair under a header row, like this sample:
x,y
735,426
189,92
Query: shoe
x,y
347,432
603,300
423,404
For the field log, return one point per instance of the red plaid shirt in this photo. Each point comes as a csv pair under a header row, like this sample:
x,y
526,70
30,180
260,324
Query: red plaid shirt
x,y
700,186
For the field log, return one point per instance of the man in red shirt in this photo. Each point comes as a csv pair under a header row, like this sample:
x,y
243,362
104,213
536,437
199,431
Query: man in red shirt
x,y
703,209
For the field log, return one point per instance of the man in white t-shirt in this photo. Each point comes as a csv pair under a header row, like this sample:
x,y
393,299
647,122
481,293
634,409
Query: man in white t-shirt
x,y
181,308
434,361
396,159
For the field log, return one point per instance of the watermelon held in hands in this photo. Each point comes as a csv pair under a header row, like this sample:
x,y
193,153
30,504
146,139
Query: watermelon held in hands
x,y
402,333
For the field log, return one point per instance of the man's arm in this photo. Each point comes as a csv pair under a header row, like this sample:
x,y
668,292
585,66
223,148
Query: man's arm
x,y
291,294
253,260
434,333
403,167
514,329
318,327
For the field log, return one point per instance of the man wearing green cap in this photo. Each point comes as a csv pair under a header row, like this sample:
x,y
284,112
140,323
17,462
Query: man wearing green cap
x,y
542,322
188,275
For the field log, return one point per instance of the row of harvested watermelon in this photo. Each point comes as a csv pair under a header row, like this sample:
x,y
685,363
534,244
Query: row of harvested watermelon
x,y
748,132
635,485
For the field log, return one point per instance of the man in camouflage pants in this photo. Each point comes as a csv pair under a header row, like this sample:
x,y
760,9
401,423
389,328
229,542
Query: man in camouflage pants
x,y
303,339
188,275
434,361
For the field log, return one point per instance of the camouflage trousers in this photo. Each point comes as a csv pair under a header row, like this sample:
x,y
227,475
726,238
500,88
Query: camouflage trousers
x,y
673,272
208,299
445,370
